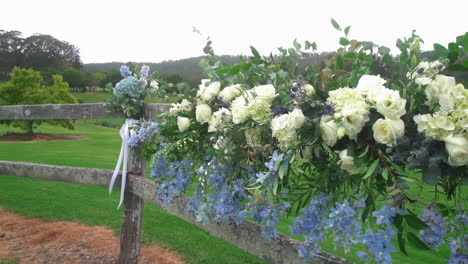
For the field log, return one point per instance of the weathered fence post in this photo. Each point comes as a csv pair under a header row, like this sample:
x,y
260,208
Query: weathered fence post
x,y
130,232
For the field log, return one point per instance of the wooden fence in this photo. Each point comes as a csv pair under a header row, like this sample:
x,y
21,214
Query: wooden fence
x,y
246,236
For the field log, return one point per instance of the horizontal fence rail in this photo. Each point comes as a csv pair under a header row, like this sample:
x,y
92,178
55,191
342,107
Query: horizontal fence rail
x,y
246,235
71,111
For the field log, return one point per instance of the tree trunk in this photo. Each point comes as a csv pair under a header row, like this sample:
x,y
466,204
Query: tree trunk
x,y
29,127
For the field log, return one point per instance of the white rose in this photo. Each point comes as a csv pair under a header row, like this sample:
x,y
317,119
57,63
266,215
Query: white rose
x,y
203,113
308,90
278,123
211,91
457,148
353,122
183,123
240,111
441,85
391,105
154,85
229,93
265,92
174,110
185,105
369,84
347,162
219,119
387,131
329,130
296,118
422,121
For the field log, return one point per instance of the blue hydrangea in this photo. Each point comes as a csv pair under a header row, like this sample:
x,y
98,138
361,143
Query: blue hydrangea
x,y
130,86
312,226
125,71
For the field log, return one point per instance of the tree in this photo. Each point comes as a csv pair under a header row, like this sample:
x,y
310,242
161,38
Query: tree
x,y
39,52
75,78
25,87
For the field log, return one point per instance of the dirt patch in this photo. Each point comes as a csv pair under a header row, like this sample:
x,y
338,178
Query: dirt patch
x,y
33,240
38,137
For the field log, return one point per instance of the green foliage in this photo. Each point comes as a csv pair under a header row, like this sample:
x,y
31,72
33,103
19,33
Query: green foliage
x,y
25,88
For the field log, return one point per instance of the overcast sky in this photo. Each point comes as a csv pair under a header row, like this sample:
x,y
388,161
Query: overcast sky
x,y
153,31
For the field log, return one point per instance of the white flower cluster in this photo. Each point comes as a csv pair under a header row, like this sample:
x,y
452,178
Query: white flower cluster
x,y
450,123
184,106
426,71
208,91
254,104
284,128
352,108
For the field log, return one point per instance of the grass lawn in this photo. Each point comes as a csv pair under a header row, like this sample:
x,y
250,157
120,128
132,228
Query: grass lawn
x,y
93,206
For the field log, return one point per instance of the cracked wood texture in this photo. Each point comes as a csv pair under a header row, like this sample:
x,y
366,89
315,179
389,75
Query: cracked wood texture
x,y
72,111
98,177
132,220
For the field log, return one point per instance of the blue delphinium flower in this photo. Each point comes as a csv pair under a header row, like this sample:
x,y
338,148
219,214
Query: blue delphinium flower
x,y
435,234
269,215
217,196
344,224
312,226
378,244
386,213
145,130
144,74
125,71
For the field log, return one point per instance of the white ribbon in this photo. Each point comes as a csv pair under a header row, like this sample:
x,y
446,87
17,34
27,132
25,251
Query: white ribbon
x,y
125,134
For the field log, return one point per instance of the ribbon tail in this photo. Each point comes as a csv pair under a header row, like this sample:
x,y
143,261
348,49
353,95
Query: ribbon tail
x,y
117,168
124,174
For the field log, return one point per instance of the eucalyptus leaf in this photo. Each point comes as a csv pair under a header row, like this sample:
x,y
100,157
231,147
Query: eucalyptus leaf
x,y
371,169
346,30
416,242
335,24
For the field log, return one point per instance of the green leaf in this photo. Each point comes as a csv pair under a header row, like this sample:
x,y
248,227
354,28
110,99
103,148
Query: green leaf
x,y
404,56
465,42
255,52
335,24
416,242
387,59
402,243
454,52
314,46
293,53
364,153
439,51
371,169
350,55
400,44
346,30
431,175
344,41
339,62
307,45
384,50
385,174
416,223
297,46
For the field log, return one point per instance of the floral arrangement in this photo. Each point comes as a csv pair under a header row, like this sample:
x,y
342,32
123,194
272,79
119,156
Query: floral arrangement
x,y
363,146
130,92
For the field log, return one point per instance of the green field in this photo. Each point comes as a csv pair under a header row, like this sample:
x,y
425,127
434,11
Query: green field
x,y
92,205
